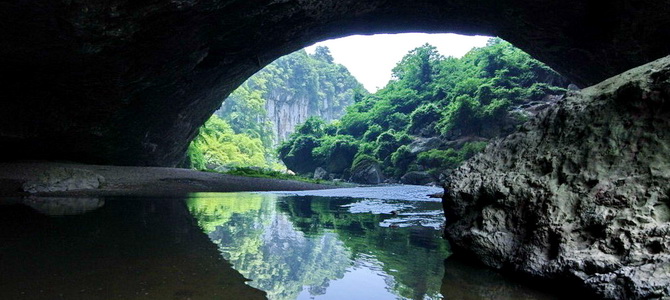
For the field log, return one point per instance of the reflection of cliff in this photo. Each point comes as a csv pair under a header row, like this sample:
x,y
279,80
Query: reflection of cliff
x,y
413,256
290,90
264,246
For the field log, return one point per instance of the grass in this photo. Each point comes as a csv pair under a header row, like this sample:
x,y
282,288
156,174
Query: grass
x,y
267,173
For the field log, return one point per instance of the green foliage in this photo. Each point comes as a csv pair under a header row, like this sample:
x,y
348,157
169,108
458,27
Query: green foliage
x,y
424,119
313,126
402,159
297,153
218,145
269,173
436,161
240,133
336,152
432,96
362,160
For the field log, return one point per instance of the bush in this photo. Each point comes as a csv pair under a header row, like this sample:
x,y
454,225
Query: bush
x,y
423,120
402,159
336,152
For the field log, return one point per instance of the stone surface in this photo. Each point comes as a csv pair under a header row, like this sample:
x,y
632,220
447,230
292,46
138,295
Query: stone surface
x,y
581,192
129,82
64,179
320,173
368,172
416,177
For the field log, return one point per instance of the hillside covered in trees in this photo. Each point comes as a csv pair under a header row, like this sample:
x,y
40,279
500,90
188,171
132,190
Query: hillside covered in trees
x,y
435,113
266,108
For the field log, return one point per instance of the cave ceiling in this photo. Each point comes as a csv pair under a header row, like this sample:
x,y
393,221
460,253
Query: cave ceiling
x,y
129,82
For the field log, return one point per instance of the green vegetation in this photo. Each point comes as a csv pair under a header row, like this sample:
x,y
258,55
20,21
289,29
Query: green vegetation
x,y
241,133
219,145
269,173
435,113
460,102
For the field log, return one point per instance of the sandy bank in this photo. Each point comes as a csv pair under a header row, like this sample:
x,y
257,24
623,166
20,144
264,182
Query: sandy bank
x,y
140,181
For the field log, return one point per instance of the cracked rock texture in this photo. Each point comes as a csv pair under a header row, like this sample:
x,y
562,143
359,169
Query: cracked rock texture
x,y
129,82
581,192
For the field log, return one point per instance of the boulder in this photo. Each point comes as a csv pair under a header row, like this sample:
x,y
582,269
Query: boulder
x,y
367,172
320,173
579,193
64,179
417,178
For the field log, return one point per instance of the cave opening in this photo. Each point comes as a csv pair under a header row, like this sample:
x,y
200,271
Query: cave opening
x,y
406,115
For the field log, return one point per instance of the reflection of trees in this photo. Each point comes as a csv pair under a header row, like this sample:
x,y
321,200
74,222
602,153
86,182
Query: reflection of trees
x,y
263,245
412,255
284,244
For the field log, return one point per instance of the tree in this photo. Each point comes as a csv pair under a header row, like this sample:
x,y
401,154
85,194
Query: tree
x,y
323,53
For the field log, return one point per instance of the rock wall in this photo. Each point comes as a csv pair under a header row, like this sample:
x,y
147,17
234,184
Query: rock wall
x,y
582,191
130,82
285,111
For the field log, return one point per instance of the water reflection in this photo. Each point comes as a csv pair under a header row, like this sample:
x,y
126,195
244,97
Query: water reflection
x,y
61,206
315,247
125,249
292,247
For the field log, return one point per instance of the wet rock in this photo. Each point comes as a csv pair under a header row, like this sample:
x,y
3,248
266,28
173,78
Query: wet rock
x,y
580,192
417,178
64,179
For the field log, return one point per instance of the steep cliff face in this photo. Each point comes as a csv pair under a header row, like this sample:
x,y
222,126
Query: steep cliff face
x,y
581,192
286,111
288,91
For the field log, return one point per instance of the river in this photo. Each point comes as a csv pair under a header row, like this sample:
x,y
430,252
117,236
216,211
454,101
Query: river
x,y
356,243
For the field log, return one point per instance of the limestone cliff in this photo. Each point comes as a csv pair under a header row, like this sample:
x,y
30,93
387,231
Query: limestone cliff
x,y
287,92
285,110
580,192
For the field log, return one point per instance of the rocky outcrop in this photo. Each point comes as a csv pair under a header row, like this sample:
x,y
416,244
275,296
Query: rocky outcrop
x,y
320,173
367,172
286,111
417,178
130,82
581,192
64,179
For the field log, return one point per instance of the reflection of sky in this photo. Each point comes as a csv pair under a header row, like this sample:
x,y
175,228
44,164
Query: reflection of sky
x,y
363,281
392,192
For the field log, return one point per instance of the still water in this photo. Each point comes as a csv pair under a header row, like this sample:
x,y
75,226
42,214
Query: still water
x,y
361,243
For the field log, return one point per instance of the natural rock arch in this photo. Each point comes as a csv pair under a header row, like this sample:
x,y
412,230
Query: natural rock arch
x,y
129,82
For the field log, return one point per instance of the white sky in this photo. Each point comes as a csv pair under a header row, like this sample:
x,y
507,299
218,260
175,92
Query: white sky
x,y
370,58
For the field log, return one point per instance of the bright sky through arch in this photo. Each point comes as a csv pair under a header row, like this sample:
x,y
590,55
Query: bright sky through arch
x,y
370,58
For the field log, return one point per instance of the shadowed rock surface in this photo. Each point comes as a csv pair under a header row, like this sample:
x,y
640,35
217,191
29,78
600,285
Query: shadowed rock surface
x,y
129,82
580,192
